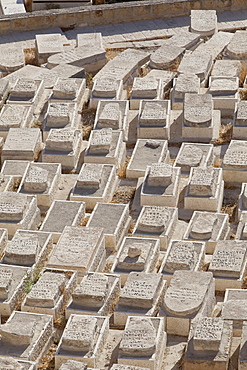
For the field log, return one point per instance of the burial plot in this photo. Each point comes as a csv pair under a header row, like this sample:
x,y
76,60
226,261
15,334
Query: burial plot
x,y
226,68
10,363
228,264
235,161
83,340
22,144
224,91
105,88
209,344
184,39
165,76
141,295
161,185
112,114
4,91
114,219
63,146
79,248
157,222
209,227
182,255
184,83
11,57
70,214
143,342
240,120
26,91
154,119
18,211
15,116
205,189
198,64
145,88
237,47
145,153
97,294
136,254
235,309
190,295
106,146
26,336
95,183
194,155
51,293
69,90
47,45
42,180
203,22
168,57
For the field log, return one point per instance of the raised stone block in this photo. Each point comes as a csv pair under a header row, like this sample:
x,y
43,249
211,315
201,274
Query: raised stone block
x,y
11,363
203,22
234,162
184,83
105,88
48,45
168,56
145,88
196,63
237,47
234,309
26,91
15,116
224,91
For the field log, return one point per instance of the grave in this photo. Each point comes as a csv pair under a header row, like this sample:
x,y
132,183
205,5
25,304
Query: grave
x,y
209,227
182,255
4,91
184,83
226,68
141,295
95,183
224,91
18,211
209,344
26,336
26,91
22,144
184,39
136,254
154,119
81,249
237,47
228,264
12,57
70,90
106,146
167,57
200,121
97,294
203,22
241,233
83,39
74,365
143,342
82,340
15,116
205,189
234,162
240,120
190,295
145,88
114,219
127,367
106,89
51,293
157,222
145,153
194,155
10,363
161,185
235,309
47,45
42,180
70,214
165,76
63,146
196,63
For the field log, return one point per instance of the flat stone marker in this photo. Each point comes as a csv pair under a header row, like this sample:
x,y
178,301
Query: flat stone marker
x,y
69,89
74,365
234,309
89,39
15,116
237,47
167,57
10,363
196,63
194,155
198,110
11,57
145,88
203,22
48,45
184,83
234,162
227,68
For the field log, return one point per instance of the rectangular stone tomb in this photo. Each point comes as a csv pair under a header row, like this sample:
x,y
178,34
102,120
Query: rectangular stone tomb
x,y
79,248
209,227
15,116
48,45
203,22
235,161
154,119
51,293
241,233
95,295
14,168
106,89
114,219
63,146
83,340
224,91
142,294
236,48
42,180
191,294
161,185
83,39
184,83
200,122
143,342
147,152
240,120
157,222
70,214
205,189
197,63
226,68
95,183
69,90
228,264
106,146
194,155
30,249
136,254
112,114
22,144
26,91
150,88
235,309
4,91
18,211
182,255
11,363
209,344
26,336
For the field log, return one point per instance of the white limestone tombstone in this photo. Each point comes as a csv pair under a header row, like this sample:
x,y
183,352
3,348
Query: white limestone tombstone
x,y
48,45
203,22
184,83
145,88
224,91
15,116
235,309
168,57
106,89
237,48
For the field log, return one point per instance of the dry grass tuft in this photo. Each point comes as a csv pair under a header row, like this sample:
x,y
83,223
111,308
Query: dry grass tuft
x,y
48,361
230,209
131,227
124,194
84,221
30,57
111,54
88,117
243,94
225,135
122,171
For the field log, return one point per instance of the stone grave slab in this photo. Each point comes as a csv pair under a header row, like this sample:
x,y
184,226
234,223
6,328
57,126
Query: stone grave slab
x,y
11,57
194,155
184,83
145,88
184,39
224,91
198,64
15,116
240,120
94,38
70,90
235,309
226,68
237,47
168,57
74,365
106,89
47,45
203,22
234,162
11,363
